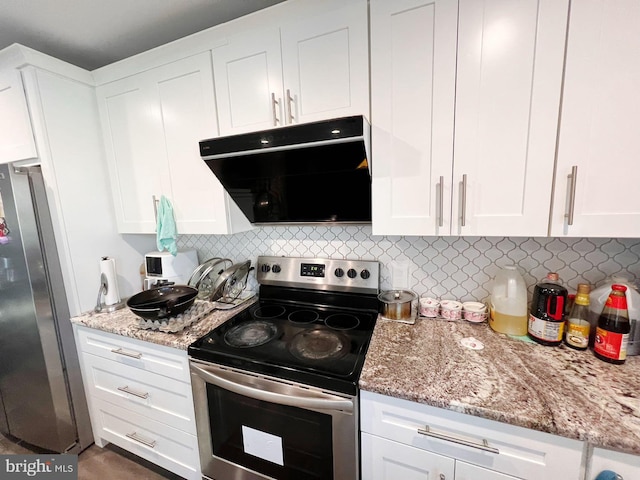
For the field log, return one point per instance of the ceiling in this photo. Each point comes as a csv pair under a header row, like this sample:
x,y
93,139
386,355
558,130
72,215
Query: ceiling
x,y
94,33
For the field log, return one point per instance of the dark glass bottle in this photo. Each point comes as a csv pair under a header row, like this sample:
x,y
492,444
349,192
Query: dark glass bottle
x,y
612,332
547,315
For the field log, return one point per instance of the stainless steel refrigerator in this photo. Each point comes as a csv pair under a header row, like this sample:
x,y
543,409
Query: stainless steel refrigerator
x,y
41,395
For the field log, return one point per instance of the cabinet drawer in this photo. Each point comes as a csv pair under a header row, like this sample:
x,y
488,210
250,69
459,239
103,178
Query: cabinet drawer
x,y
165,399
521,452
168,447
150,357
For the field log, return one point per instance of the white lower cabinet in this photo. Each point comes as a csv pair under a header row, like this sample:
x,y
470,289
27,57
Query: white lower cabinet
x,y
408,440
624,464
386,459
139,397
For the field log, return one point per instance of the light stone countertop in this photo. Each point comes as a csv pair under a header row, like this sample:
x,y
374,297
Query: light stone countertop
x,y
552,389
124,322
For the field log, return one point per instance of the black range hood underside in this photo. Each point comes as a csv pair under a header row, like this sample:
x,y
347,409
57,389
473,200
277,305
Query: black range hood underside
x,y
315,173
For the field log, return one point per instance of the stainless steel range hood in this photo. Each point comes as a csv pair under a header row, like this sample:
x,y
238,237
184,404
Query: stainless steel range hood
x,y
314,173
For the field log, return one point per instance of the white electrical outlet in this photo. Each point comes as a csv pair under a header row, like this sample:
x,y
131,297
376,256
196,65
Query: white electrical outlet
x,y
400,275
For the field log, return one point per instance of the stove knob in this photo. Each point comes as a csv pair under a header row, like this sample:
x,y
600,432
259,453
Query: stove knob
x,y
276,268
365,274
265,268
351,273
339,272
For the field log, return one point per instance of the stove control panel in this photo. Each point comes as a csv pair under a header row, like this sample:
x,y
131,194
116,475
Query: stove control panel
x,y
320,273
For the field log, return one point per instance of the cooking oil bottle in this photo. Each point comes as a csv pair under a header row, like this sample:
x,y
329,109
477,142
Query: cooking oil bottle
x,y
509,302
578,327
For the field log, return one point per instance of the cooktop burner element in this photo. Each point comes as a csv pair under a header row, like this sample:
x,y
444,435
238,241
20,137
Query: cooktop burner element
x,y
342,321
250,334
303,316
312,323
319,344
269,311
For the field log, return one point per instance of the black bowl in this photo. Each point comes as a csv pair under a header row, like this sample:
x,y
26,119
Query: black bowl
x,y
162,302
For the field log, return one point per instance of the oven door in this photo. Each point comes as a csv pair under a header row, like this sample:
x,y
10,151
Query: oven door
x,y
255,427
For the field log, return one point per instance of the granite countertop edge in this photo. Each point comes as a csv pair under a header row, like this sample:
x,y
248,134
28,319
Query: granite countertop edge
x,y
125,323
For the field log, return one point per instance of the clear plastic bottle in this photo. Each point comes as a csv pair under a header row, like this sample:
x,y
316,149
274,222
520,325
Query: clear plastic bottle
x,y
612,333
509,302
578,326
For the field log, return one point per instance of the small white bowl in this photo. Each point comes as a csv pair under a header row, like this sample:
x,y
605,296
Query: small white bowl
x,y
451,310
475,312
429,307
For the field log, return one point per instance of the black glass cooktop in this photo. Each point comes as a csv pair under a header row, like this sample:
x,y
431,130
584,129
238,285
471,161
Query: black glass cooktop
x,y
319,345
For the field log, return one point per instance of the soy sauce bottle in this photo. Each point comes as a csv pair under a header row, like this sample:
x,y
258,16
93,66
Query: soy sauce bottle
x,y
612,332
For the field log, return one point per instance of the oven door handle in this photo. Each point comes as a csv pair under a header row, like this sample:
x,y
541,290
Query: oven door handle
x,y
323,401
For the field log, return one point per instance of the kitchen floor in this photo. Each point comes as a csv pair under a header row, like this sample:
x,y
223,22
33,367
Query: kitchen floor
x,y
109,463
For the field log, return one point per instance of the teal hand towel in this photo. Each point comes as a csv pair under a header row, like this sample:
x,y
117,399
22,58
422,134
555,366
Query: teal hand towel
x,y
166,227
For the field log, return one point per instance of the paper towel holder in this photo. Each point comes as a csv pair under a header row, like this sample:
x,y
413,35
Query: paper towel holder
x,y
102,292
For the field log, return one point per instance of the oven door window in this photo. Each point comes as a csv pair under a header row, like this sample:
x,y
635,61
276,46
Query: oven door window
x,y
279,441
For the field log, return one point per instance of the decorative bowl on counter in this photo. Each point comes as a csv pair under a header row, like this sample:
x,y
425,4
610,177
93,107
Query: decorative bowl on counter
x,y
474,312
429,307
451,310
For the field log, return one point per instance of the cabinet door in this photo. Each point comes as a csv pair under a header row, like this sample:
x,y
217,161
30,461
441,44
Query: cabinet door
x,y
132,131
465,471
248,82
325,62
16,137
413,65
598,134
186,100
510,60
384,459
624,464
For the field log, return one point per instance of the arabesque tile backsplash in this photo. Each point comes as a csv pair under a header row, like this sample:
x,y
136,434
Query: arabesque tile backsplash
x,y
443,267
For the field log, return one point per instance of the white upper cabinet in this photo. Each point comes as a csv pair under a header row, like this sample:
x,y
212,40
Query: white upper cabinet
x,y
465,103
152,123
16,136
312,68
598,172
509,80
413,67
248,80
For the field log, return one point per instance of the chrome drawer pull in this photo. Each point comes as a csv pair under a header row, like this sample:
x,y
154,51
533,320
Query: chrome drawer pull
x,y
138,438
126,389
120,351
481,446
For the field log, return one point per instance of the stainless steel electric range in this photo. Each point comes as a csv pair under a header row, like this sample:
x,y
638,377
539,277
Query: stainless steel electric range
x,y
276,386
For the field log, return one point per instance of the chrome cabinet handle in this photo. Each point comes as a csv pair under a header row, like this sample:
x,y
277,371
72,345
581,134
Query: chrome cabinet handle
x,y
441,436
156,201
463,216
289,100
120,351
442,477
322,402
138,438
126,389
441,213
572,193
274,103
